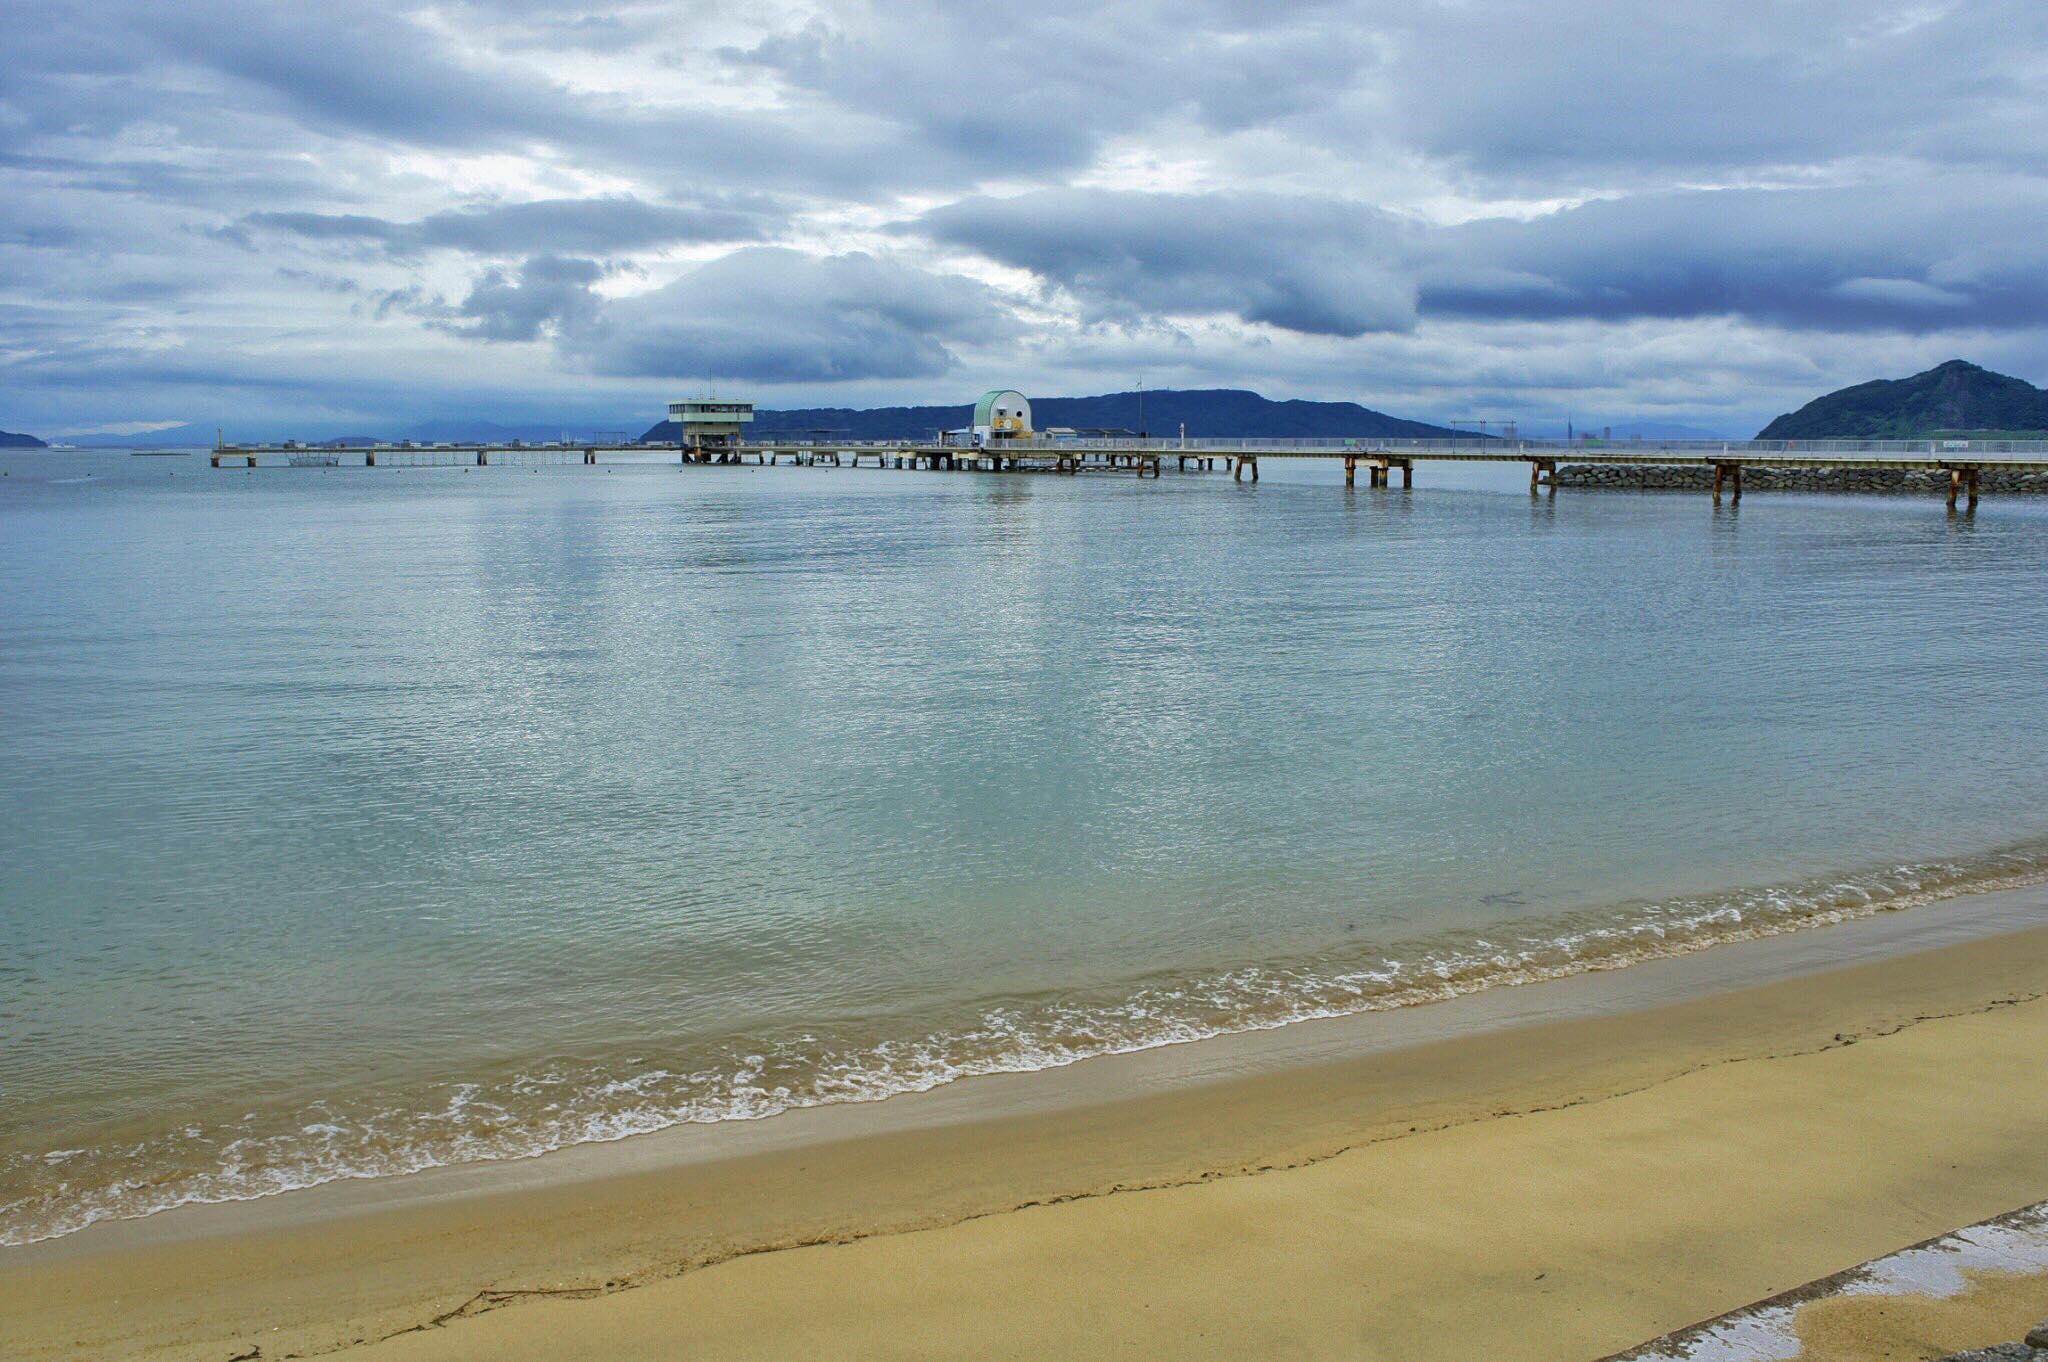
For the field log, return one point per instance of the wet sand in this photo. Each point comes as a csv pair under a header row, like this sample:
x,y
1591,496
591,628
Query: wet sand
x,y
1556,1171
1996,1308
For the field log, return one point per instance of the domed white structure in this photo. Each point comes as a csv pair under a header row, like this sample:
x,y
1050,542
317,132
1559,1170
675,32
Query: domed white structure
x,y
1001,414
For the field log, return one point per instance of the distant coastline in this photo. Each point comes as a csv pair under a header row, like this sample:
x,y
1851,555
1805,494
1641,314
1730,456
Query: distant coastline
x,y
1954,400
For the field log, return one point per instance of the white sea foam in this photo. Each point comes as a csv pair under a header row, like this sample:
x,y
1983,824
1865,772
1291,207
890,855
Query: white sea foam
x,y
553,1106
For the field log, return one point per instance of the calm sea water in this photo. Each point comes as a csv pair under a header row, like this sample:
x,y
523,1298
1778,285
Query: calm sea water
x,y
353,822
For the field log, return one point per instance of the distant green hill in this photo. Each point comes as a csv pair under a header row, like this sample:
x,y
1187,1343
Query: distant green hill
x,y
9,440
1214,413
1953,399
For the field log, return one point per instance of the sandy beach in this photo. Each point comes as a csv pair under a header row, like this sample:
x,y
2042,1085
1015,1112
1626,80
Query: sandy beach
x,y
1561,1170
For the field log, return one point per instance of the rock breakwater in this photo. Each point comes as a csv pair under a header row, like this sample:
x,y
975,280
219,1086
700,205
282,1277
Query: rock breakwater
x,y
1761,478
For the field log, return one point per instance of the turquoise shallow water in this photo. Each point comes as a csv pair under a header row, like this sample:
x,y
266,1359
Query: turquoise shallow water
x,y
358,821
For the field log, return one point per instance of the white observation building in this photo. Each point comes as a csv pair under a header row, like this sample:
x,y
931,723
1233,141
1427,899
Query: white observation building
x,y
707,421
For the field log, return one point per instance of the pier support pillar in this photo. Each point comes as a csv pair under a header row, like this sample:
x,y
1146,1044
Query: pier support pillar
x,y
1350,470
483,458
1540,472
369,459
589,456
1407,473
1962,482
1245,462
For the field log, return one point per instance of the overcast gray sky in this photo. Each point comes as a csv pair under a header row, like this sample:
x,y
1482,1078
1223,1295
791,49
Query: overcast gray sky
x,y
217,211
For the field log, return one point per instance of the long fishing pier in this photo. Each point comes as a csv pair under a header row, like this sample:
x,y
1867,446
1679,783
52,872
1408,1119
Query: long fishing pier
x,y
1963,461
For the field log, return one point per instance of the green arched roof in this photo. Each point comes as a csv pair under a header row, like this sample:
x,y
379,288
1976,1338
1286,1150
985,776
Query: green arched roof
x,y
984,410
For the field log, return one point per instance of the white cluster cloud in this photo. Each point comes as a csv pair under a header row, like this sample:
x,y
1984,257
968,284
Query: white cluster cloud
x,y
229,210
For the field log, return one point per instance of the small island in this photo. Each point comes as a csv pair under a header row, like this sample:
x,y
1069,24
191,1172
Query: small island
x,y
1953,399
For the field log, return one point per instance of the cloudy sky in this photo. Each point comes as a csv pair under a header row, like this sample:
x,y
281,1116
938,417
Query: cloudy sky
x,y
361,214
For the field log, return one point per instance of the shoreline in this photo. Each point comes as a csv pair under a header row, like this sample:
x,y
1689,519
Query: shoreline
x,y
1627,945
1605,988
358,1261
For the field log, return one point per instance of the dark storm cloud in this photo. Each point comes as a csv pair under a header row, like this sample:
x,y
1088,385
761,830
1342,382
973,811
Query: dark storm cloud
x,y
602,226
1309,265
1000,89
914,94
377,71
356,67
547,293
1537,91
1866,258
1839,258
779,316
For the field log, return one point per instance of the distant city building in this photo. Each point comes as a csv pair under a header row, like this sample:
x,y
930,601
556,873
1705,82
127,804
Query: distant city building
x,y
707,421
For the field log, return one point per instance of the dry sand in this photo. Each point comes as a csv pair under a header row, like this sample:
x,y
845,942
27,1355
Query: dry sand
x,y
1559,1189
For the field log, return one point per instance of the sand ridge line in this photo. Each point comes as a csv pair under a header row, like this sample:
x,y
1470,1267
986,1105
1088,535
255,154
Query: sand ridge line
x,y
490,1299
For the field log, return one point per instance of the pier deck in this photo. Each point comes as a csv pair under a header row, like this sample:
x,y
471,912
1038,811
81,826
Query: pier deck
x,y
1963,460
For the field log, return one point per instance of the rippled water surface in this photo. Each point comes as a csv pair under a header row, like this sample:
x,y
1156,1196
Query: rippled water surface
x,y
354,821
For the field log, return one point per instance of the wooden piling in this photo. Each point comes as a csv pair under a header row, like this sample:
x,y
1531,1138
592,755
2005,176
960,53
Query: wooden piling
x,y
1350,470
